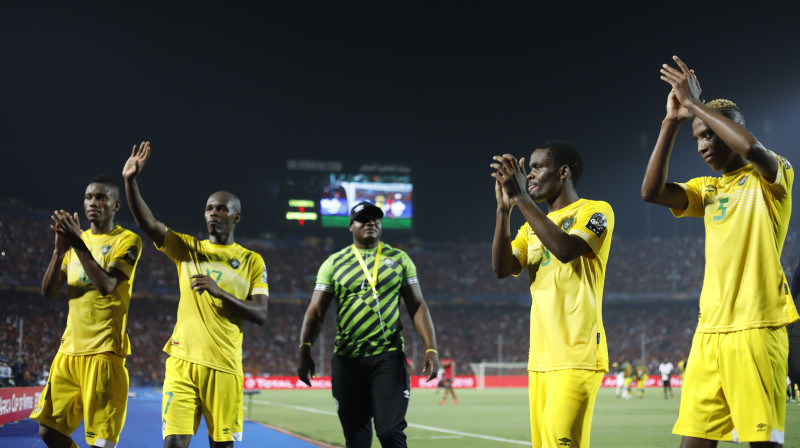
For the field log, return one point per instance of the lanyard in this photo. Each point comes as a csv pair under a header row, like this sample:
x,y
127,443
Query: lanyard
x,y
372,279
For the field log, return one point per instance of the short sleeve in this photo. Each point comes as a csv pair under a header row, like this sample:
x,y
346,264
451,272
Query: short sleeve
x,y
782,186
175,245
519,247
594,224
325,276
258,276
66,260
409,270
127,253
694,194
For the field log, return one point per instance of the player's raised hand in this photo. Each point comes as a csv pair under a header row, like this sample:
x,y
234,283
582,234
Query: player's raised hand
x,y
511,175
503,201
136,161
683,81
676,111
60,242
67,227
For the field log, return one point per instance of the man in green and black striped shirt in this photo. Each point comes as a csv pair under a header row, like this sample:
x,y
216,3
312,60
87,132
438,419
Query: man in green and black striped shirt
x,y
369,374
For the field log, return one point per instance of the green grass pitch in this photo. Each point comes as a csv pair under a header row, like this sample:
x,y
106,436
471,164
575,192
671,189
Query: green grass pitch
x,y
490,418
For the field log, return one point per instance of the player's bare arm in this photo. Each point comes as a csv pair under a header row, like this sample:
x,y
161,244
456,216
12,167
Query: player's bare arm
x,y
736,136
655,187
504,263
68,227
312,322
253,309
511,175
421,316
154,228
54,277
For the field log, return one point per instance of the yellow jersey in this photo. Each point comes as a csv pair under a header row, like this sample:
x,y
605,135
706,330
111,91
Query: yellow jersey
x,y
566,310
746,219
206,331
97,323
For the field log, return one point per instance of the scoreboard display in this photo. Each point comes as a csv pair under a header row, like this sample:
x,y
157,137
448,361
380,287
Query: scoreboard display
x,y
320,194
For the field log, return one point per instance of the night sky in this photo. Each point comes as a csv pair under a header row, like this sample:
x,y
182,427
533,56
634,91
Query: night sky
x,y
227,93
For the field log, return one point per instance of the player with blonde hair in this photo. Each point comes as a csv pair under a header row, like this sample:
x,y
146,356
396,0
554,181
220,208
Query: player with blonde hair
x,y
736,376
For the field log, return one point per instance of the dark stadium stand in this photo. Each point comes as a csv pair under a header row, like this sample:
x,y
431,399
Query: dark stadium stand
x,y
651,291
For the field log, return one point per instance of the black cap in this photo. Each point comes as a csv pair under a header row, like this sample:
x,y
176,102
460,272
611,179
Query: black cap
x,y
365,208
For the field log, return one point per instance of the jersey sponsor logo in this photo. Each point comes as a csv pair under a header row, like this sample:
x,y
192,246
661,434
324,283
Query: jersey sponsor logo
x,y
786,163
234,263
131,255
597,224
744,179
564,441
264,276
105,249
711,188
567,224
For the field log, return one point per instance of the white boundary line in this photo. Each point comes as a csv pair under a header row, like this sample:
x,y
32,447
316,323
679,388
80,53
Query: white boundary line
x,y
412,425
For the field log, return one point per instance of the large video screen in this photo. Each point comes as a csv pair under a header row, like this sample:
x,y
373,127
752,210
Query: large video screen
x,y
389,192
323,199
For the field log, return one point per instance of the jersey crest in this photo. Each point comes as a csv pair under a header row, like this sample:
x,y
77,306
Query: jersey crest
x,y
567,224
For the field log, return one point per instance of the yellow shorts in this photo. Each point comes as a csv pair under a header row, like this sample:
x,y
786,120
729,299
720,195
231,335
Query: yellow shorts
x,y
92,388
735,386
561,406
192,390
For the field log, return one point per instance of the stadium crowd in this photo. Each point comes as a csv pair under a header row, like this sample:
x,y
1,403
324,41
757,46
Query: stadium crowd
x,y
652,286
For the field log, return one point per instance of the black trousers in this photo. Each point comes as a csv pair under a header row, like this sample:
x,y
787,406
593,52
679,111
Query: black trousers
x,y
794,352
372,388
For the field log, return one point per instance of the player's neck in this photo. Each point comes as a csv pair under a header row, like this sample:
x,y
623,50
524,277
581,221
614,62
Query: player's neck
x,y
100,228
224,239
366,244
566,197
735,164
